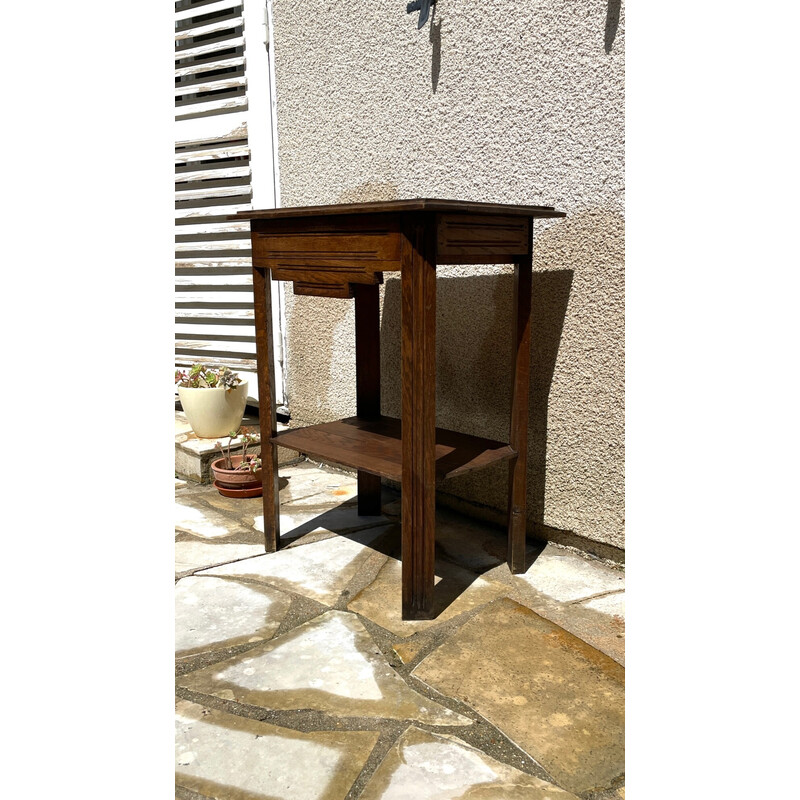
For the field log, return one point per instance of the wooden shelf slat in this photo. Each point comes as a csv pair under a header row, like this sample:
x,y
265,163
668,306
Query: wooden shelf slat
x,y
374,446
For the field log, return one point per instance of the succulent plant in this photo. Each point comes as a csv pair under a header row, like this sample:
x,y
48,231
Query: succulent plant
x,y
200,376
251,463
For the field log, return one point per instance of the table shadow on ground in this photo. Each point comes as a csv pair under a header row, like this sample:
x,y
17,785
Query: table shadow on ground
x,y
454,578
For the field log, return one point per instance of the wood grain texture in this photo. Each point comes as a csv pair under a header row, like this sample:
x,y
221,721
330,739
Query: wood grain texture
x,y
313,273
368,384
266,408
332,251
476,238
402,206
357,246
308,288
418,360
375,446
518,438
342,251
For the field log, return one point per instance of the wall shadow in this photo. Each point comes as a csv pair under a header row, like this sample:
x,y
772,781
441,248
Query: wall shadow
x,y
435,37
474,369
548,310
612,23
576,402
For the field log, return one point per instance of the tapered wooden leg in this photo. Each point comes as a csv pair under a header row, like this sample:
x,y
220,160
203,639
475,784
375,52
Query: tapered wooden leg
x,y
368,383
262,296
517,474
418,351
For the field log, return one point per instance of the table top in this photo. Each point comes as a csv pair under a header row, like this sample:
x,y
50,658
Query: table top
x,y
394,206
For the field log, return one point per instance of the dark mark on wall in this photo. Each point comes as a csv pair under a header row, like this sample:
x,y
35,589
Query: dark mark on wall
x,y
436,53
612,22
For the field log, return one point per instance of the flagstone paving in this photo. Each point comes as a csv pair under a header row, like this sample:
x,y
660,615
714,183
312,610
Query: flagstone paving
x,y
213,612
408,651
603,631
234,758
199,522
557,698
311,485
567,577
299,520
427,766
515,681
599,620
330,664
457,591
191,555
320,570
469,543
613,604
559,584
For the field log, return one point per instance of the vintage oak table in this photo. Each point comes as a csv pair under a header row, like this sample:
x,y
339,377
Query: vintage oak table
x,y
342,251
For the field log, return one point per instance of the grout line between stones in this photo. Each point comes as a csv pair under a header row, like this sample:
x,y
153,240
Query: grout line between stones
x,y
595,596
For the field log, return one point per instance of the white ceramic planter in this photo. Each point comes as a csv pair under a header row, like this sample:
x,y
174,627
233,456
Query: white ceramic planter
x,y
213,413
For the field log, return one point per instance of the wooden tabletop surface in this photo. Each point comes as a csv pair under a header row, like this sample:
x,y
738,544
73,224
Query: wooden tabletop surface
x,y
388,206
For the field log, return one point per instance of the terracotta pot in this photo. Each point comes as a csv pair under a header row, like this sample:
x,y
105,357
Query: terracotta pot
x,y
213,413
235,478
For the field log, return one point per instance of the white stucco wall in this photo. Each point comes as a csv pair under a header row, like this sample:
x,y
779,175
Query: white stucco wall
x,y
494,101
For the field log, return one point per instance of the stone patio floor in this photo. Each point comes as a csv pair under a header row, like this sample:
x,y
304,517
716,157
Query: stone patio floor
x,y
296,677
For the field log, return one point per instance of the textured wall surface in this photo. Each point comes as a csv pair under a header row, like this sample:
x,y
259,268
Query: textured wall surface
x,y
491,101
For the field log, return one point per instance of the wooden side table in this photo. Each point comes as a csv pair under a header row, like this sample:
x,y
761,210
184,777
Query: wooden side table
x,y
342,251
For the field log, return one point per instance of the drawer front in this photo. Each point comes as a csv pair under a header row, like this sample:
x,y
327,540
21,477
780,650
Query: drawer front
x,y
477,239
343,246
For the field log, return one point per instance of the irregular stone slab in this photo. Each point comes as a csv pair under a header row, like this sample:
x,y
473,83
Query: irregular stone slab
x,y
457,591
613,604
320,570
567,577
393,508
469,542
241,509
181,424
190,556
424,766
604,632
208,524
214,612
330,664
231,758
407,651
310,485
557,698
596,626
299,520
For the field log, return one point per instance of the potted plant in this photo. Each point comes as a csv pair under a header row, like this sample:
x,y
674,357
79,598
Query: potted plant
x,y
212,399
240,475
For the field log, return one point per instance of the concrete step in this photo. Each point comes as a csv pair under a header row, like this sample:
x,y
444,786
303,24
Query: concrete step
x,y
193,455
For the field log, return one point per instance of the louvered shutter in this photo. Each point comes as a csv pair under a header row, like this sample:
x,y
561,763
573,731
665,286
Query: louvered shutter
x,y
224,162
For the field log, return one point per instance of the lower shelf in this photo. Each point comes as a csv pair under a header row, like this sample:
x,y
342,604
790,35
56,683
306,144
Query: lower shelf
x,y
374,446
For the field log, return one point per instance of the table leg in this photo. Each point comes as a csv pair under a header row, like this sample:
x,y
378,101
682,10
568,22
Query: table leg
x,y
518,467
418,355
262,297
368,383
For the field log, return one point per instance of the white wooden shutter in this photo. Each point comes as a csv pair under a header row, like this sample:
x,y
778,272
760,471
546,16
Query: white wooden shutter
x,y
224,162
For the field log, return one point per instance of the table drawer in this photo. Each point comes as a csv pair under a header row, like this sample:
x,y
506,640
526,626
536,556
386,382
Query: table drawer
x,y
328,246
481,239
